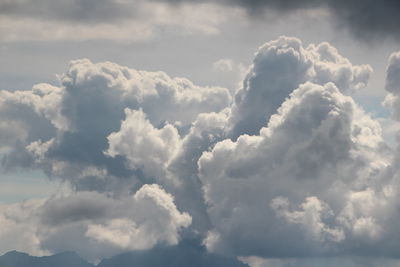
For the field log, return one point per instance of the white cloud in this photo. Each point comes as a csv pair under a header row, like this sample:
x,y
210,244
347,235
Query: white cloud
x,y
156,219
223,65
293,168
279,67
318,147
310,217
254,261
92,224
15,30
64,129
18,227
143,145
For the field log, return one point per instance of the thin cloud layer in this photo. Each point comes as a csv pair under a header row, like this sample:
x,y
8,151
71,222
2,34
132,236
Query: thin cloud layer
x,y
290,166
138,20
120,21
366,19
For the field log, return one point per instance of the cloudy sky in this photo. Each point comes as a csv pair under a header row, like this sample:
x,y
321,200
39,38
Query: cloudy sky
x,y
262,130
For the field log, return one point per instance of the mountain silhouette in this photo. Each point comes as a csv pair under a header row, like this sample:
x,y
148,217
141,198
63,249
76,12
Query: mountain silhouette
x,y
187,253
65,259
183,255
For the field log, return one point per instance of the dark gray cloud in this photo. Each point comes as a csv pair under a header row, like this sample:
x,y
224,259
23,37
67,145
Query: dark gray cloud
x,y
368,19
71,10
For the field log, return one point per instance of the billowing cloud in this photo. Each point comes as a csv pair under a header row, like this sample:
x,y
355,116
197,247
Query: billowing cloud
x,y
92,224
64,129
143,145
18,227
291,167
155,219
317,150
278,68
392,85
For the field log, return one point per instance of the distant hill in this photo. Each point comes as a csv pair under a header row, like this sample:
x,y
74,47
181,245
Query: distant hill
x,y
65,259
183,255
186,254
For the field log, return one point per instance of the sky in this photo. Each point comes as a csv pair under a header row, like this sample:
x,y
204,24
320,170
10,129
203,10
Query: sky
x,y
264,130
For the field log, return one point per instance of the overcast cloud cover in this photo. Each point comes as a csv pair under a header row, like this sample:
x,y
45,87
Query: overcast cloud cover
x,y
286,170
138,20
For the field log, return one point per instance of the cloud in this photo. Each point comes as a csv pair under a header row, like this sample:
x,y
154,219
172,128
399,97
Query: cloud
x,y
278,68
291,168
298,180
392,85
223,65
157,220
365,19
120,21
143,145
94,225
136,20
64,130
86,132
309,217
317,262
18,231
68,10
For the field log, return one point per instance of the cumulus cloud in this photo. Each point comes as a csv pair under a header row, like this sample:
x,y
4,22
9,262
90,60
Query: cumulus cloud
x,y
94,225
64,129
317,150
278,68
156,219
392,85
18,231
107,130
292,167
310,216
143,145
